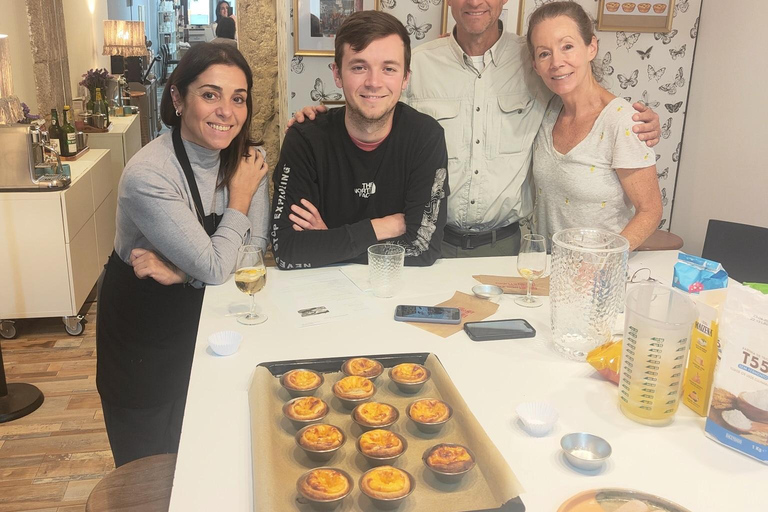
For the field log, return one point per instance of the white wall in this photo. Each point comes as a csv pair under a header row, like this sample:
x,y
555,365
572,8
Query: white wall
x,y
723,172
84,22
13,22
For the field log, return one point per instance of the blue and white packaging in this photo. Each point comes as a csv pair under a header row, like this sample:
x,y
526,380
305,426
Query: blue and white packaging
x,y
693,274
738,412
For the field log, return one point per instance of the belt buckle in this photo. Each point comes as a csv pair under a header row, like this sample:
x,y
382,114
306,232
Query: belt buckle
x,y
466,241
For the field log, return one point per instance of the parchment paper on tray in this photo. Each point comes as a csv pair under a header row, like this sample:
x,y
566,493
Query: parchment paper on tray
x,y
472,310
517,285
278,462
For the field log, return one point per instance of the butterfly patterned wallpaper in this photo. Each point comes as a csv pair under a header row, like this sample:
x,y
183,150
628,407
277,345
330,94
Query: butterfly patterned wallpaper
x,y
310,79
654,68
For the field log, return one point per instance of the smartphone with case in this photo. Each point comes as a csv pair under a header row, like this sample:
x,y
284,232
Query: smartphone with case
x,y
431,314
499,330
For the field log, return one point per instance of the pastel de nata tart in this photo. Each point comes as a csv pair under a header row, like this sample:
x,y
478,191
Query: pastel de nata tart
x,y
449,458
659,8
301,382
377,445
429,414
375,415
304,410
362,367
324,484
409,377
353,389
386,485
320,441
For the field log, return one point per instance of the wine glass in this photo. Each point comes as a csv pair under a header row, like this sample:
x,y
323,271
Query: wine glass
x,y
531,263
250,277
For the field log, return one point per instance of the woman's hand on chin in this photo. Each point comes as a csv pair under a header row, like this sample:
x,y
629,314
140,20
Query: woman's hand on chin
x,y
146,264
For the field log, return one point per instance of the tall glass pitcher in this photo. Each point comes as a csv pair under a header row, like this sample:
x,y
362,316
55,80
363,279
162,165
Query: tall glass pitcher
x,y
589,269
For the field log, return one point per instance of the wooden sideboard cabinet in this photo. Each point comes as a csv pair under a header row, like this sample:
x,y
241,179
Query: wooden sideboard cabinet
x,y
55,244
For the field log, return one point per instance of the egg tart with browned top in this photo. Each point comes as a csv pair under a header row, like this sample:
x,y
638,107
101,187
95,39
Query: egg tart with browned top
x,y
353,387
324,484
302,380
409,377
386,483
410,373
305,409
380,443
321,437
429,414
362,367
429,410
449,458
375,414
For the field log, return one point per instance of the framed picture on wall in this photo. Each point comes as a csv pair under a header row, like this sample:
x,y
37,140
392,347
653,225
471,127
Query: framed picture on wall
x,y
651,16
315,23
511,16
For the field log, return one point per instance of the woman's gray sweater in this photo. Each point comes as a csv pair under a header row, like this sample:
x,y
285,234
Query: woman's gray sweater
x,y
155,211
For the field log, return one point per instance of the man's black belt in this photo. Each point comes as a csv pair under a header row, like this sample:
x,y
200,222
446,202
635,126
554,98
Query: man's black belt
x,y
471,240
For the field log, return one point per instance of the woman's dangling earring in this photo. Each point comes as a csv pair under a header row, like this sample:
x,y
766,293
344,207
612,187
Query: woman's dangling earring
x,y
178,114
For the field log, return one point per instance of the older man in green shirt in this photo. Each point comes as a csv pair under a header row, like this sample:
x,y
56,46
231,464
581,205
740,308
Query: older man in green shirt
x,y
480,86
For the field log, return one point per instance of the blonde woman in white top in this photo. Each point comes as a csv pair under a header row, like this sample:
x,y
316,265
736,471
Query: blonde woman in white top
x,y
590,168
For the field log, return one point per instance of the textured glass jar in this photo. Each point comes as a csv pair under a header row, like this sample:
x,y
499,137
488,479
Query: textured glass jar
x,y
589,269
385,268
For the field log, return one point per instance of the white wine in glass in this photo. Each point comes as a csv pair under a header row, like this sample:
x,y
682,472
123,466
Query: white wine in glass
x,y
531,263
250,278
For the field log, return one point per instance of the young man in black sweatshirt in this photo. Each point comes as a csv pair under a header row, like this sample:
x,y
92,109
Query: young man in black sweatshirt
x,y
372,171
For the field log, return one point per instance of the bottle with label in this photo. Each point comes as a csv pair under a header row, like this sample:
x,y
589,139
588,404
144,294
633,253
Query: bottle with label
x,y
68,135
100,107
54,131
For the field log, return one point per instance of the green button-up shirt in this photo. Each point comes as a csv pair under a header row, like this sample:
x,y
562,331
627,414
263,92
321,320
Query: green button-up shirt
x,y
490,118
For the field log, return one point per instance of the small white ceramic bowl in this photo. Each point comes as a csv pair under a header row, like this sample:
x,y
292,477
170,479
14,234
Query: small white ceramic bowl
x,y
225,343
538,417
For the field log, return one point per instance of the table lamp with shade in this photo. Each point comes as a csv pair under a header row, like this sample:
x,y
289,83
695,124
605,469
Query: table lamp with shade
x,y
10,106
126,39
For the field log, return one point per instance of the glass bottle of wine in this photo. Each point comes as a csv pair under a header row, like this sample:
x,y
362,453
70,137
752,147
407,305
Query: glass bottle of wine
x,y
101,107
68,135
54,131
89,107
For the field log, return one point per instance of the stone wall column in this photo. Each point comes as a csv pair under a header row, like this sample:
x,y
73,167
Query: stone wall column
x,y
48,39
257,40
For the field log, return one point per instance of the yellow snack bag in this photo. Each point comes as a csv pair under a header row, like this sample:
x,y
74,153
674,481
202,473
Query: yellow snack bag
x,y
606,359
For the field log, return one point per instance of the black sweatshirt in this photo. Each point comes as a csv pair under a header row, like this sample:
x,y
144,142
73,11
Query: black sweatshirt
x,y
349,187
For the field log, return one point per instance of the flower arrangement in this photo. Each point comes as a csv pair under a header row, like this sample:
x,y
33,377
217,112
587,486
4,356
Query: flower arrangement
x,y
28,116
96,78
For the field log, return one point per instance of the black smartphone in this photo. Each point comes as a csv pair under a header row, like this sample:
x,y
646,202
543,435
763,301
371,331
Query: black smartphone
x,y
499,330
432,314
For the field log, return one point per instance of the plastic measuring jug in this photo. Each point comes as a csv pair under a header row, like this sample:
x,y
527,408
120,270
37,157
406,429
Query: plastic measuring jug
x,y
657,331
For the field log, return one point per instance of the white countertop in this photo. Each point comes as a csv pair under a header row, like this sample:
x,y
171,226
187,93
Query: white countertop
x,y
118,125
676,462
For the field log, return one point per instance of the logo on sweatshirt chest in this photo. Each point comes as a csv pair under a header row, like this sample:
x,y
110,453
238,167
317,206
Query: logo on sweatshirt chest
x,y
366,190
